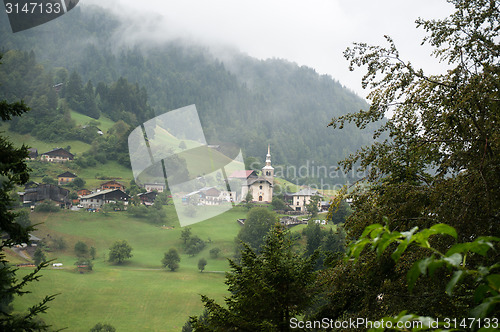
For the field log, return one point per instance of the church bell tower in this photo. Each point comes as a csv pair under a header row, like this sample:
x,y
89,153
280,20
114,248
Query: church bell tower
x,y
268,170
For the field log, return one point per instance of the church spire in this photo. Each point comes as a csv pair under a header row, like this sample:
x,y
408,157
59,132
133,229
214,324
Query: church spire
x,y
268,156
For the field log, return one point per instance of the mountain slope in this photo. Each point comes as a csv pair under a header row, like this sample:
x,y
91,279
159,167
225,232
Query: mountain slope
x,y
249,102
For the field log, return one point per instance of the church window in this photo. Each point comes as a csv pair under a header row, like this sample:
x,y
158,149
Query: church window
x,y
260,187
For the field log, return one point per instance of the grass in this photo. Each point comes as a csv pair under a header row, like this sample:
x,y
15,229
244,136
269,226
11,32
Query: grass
x,y
77,147
104,123
138,295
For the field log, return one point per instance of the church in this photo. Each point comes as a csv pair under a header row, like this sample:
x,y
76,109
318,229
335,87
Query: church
x,y
260,187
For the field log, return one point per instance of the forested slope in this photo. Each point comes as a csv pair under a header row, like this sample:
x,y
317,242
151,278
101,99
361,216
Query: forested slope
x,y
241,100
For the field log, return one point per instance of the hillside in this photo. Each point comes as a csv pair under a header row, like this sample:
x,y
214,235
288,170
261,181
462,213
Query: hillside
x,y
248,102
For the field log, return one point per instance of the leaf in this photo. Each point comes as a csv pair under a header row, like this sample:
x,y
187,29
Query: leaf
x,y
480,293
454,259
444,229
413,275
484,308
494,281
454,280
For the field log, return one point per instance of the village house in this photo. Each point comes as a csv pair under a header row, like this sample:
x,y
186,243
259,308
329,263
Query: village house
x,y
32,154
96,200
158,187
302,198
34,193
57,155
112,185
260,187
147,198
65,178
208,196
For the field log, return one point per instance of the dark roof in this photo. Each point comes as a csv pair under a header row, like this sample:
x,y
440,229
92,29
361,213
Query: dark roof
x,y
108,192
67,175
59,152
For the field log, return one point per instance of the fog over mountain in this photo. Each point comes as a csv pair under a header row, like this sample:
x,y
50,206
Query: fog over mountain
x,y
240,99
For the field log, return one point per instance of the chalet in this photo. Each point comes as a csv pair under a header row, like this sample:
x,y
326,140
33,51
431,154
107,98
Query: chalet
x,y
112,185
159,187
65,178
32,154
57,155
98,199
147,198
36,193
302,198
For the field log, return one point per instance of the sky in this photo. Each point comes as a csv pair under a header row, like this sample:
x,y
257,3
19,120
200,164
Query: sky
x,y
313,33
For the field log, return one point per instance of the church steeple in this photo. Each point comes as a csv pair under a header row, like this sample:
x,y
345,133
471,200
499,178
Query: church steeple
x,y
268,156
268,170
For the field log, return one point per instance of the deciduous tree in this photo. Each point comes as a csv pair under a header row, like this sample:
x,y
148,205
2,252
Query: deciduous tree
x,y
171,259
439,164
120,251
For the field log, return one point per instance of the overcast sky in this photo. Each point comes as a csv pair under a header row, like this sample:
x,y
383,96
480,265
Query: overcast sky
x,y
313,33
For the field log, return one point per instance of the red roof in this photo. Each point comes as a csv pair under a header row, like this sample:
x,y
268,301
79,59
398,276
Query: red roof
x,y
242,174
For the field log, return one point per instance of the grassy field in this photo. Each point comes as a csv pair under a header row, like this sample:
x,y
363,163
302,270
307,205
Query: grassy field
x,y
77,147
138,295
104,123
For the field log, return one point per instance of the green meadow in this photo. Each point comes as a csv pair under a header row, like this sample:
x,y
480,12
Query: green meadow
x,y
138,295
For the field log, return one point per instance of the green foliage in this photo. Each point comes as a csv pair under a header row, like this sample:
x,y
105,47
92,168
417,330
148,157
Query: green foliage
x,y
47,206
81,249
279,204
258,223
92,252
194,245
439,165
185,234
339,213
487,292
23,218
312,206
202,262
59,243
78,183
119,252
100,327
171,259
214,252
49,180
267,289
39,256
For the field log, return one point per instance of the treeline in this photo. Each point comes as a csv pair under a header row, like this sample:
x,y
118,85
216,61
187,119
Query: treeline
x,y
53,94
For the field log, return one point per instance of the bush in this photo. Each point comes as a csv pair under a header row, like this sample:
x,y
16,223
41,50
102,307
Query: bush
x,y
194,245
47,206
214,252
